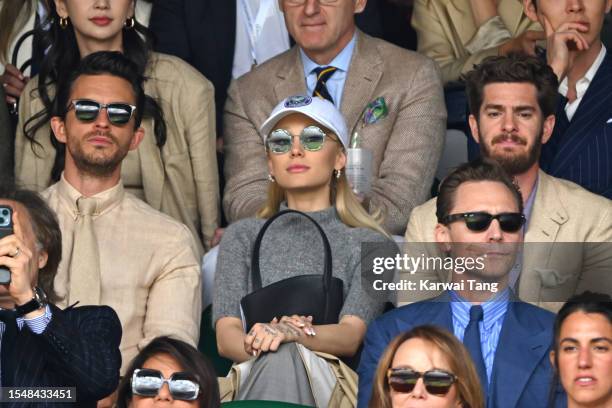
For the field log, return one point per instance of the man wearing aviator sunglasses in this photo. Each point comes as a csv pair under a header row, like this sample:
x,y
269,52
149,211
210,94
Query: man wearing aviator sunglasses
x,y
117,250
479,212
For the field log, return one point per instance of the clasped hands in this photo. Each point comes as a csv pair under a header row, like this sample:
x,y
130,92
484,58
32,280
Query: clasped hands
x,y
266,337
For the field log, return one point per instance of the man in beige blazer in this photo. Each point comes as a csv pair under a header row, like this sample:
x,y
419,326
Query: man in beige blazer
x,y
460,33
510,123
116,249
406,143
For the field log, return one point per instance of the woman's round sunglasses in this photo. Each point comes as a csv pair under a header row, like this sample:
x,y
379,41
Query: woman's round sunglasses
x,y
147,382
312,139
437,382
480,221
87,110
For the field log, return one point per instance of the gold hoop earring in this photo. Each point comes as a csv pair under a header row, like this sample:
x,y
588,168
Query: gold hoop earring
x,y
63,22
129,23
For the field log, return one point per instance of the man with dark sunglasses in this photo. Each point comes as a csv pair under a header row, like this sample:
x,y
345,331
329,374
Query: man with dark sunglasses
x,y
568,230
118,250
480,214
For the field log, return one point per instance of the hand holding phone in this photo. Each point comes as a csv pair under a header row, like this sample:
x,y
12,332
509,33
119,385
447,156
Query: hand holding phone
x,y
6,229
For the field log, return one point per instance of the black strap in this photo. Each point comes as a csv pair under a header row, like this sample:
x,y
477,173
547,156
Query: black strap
x,y
18,45
256,275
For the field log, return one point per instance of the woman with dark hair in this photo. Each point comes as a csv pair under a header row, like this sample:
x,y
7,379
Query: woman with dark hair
x,y
169,372
582,351
426,367
174,170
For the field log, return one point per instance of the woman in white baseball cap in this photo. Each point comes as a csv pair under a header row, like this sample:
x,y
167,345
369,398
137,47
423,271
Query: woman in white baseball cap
x,y
305,141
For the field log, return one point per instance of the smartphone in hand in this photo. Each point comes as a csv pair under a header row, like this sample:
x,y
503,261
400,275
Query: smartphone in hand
x,y
6,229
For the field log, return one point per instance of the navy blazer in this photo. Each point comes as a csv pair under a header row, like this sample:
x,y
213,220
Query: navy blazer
x,y
79,348
581,150
522,372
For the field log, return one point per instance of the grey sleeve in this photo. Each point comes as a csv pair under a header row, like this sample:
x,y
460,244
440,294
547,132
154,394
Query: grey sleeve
x,y
231,275
360,302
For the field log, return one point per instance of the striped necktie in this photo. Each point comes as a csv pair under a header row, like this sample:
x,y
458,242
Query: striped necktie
x,y
323,74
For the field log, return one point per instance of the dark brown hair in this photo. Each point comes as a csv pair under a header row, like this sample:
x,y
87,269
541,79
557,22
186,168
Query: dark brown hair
x,y
481,169
459,361
587,302
45,227
513,68
187,357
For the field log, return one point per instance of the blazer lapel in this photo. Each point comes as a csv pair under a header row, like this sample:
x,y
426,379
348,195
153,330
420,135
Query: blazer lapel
x,y
362,78
511,12
519,351
547,218
290,77
461,16
151,168
593,111
438,313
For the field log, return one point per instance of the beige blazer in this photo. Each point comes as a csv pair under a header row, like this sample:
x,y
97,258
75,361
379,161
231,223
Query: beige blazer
x,y
406,145
181,180
445,27
553,267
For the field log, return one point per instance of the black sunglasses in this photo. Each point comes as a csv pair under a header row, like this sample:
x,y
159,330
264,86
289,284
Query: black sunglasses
x,y
437,382
87,110
147,383
480,221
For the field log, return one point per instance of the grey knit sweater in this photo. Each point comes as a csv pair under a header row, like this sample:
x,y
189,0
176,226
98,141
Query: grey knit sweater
x,y
292,246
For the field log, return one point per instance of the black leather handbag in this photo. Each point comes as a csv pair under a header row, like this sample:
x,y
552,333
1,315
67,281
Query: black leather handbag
x,y
319,296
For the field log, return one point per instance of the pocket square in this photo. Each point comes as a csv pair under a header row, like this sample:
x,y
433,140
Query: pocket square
x,y
375,111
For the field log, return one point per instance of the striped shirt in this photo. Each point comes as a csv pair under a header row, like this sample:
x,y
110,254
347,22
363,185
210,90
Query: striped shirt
x,y
37,325
490,326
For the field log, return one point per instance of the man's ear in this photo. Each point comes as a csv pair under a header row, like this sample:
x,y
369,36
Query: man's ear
x,y
139,134
442,236
547,128
360,5
530,9
42,259
59,128
474,128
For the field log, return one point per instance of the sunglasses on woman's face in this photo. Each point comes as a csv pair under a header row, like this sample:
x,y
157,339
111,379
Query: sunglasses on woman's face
x,y
437,382
480,221
311,139
87,110
147,383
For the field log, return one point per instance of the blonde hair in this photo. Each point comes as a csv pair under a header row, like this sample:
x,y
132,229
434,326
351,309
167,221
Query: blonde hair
x,y
13,14
459,361
349,209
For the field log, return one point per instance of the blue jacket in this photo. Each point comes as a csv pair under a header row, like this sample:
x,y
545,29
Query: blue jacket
x,y
522,372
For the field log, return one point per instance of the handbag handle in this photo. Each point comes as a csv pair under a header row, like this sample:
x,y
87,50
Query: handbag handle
x,y
327,275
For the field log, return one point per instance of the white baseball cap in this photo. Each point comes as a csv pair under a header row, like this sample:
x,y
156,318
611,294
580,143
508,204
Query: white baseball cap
x,y
318,109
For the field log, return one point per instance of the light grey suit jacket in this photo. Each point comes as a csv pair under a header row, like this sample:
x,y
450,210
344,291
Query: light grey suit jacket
x,y
406,145
555,266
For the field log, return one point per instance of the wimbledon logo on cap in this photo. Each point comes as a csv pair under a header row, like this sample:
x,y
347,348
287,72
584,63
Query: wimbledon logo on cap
x,y
298,101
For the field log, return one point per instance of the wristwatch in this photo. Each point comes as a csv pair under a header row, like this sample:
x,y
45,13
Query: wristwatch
x,y
38,302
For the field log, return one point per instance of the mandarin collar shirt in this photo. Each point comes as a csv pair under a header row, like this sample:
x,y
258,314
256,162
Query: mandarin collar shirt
x,y
335,84
149,272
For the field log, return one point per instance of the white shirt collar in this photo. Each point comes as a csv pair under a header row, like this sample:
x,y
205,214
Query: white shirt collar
x,y
583,83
